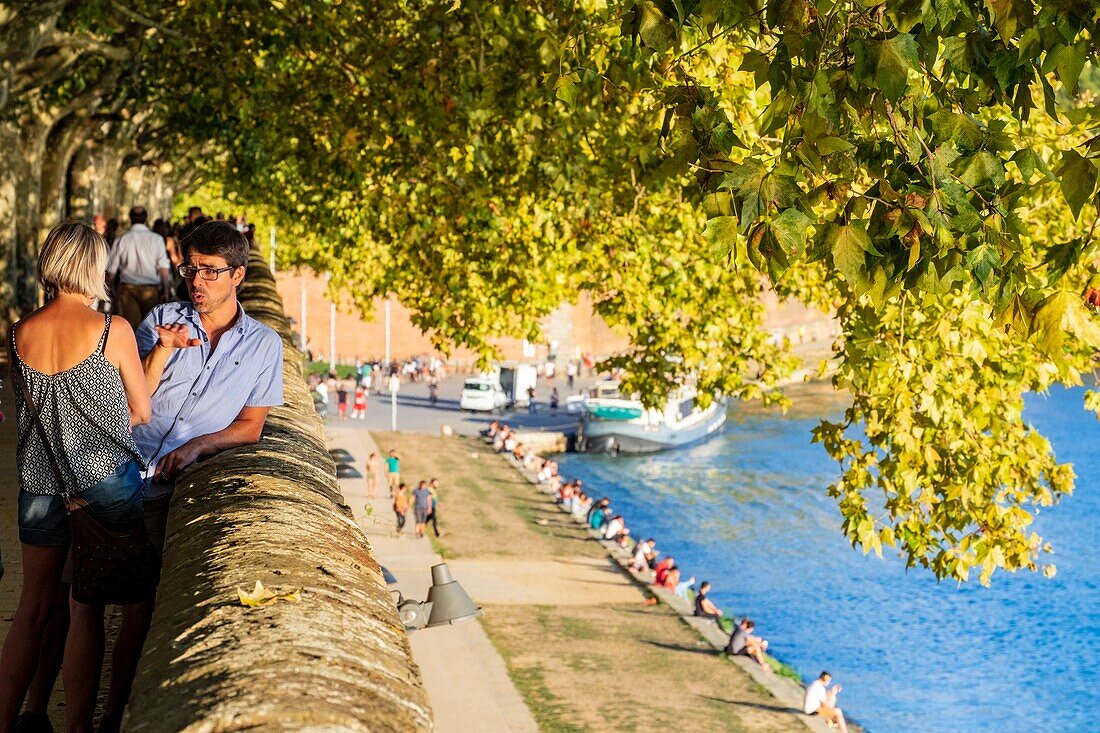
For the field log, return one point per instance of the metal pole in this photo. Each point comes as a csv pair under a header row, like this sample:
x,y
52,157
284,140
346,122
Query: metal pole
x,y
302,321
332,337
271,252
388,332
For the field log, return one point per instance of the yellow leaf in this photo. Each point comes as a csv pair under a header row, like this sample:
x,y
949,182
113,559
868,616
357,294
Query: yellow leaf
x,y
261,596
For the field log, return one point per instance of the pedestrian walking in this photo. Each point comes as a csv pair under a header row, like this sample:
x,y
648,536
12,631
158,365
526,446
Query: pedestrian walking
x,y
433,516
374,474
401,506
531,408
393,470
359,407
342,400
139,259
422,506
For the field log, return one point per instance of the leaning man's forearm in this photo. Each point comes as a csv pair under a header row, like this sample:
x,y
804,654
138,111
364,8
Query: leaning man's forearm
x,y
237,434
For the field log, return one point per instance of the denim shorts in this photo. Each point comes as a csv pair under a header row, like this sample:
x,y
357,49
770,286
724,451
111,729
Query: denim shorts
x,y
114,500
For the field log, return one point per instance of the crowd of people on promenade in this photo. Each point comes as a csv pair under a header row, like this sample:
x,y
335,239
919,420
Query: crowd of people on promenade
x,y
662,572
111,411
422,501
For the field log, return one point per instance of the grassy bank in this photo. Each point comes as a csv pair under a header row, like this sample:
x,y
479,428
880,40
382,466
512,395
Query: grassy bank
x,y
585,663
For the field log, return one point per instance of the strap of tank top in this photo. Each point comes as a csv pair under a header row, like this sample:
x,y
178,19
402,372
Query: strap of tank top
x,y
17,375
103,338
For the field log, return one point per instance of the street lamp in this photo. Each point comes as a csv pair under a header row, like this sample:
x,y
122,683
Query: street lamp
x,y
447,603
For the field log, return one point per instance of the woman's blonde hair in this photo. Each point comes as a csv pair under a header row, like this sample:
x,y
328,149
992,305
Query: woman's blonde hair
x,y
73,259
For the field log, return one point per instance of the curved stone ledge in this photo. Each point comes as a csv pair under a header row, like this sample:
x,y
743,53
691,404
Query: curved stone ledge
x,y
337,660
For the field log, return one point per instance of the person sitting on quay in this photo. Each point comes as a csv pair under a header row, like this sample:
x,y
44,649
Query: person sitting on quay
x,y
530,460
820,699
510,442
661,571
643,552
498,438
704,606
742,642
566,495
599,513
581,504
492,430
668,578
683,587
615,529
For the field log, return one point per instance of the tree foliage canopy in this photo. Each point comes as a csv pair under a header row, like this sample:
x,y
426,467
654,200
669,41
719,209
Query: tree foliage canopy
x,y
927,169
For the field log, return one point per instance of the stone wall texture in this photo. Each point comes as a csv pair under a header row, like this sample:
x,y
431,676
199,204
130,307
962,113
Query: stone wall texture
x,y
336,660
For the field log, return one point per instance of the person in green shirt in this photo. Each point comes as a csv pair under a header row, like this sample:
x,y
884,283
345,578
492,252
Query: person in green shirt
x,y
393,470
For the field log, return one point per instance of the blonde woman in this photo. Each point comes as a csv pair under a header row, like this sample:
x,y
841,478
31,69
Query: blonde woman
x,y
85,381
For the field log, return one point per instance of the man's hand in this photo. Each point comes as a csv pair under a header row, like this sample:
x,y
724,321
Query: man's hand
x,y
176,336
173,463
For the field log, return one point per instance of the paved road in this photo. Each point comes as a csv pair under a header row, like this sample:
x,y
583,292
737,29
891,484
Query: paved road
x,y
416,414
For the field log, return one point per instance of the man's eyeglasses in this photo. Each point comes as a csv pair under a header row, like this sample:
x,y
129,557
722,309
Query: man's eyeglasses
x,y
206,273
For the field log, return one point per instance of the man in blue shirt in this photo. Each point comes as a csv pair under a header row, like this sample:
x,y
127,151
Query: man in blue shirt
x,y
216,373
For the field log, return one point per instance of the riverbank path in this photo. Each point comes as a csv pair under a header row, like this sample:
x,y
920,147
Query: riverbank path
x,y
466,680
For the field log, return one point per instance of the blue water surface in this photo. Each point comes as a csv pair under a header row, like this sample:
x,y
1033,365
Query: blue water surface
x,y
748,511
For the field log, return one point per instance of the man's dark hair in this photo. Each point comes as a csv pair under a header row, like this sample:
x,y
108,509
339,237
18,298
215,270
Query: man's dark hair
x,y
218,239
138,215
704,584
823,675
194,210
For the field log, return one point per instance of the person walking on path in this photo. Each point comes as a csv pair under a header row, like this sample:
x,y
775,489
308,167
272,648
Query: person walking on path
x,y
374,474
393,470
532,408
359,407
433,515
401,506
422,505
139,259
87,391
215,373
342,400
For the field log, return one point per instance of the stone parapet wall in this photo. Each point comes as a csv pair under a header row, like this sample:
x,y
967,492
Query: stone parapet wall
x,y
336,660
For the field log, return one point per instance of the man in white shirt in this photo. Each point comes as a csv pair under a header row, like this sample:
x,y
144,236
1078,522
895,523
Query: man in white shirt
x,y
139,259
821,700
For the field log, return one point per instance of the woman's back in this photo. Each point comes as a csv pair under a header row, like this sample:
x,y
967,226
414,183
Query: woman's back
x,y
60,353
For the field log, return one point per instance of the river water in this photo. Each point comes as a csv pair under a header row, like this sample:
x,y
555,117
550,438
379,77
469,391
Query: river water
x,y
748,511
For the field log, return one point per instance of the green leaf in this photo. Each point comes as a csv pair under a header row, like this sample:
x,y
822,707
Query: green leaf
x,y
721,232
896,57
981,169
849,245
654,28
791,230
1077,179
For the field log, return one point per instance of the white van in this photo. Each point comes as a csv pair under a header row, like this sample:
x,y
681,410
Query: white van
x,y
482,394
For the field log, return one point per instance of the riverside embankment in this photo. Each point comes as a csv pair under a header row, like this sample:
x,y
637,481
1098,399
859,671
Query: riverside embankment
x,y
580,644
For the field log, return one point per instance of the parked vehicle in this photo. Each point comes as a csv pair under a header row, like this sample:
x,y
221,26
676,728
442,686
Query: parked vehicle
x,y
482,394
515,380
